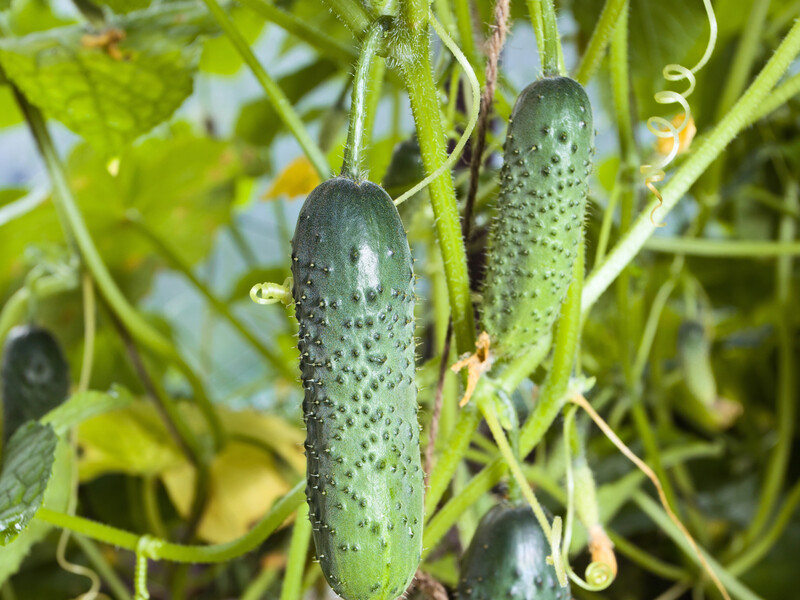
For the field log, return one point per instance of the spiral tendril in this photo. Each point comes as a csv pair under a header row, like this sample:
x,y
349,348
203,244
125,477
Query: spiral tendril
x,y
661,127
272,293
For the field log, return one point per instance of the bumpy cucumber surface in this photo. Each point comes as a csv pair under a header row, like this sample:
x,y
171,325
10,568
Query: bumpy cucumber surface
x,y
35,376
507,559
354,297
533,242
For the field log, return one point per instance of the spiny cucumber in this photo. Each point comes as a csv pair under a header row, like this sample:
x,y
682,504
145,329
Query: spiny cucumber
x,y
533,242
507,558
354,298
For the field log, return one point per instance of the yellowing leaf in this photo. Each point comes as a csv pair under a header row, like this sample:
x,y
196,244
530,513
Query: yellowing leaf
x,y
244,484
133,441
297,179
275,433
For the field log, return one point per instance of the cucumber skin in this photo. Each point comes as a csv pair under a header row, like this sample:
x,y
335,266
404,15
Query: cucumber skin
x,y
533,242
507,559
354,298
35,376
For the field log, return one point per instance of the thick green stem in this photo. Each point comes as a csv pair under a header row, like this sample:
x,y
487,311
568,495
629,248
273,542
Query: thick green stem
x,y
601,36
543,17
352,13
466,425
736,120
777,98
162,550
296,559
786,404
415,14
351,166
422,92
166,250
127,314
280,103
722,248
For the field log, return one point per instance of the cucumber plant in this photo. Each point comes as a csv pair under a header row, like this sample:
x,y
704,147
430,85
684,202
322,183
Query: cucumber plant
x,y
119,71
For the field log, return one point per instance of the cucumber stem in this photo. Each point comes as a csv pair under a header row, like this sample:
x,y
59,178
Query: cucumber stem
x,y
601,35
418,74
296,560
182,553
351,165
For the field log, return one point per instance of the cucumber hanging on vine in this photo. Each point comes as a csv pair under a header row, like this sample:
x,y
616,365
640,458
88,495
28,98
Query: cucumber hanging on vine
x,y
35,376
354,297
534,238
507,558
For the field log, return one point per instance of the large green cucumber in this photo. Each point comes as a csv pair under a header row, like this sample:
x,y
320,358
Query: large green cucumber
x,y
354,298
35,376
507,559
533,242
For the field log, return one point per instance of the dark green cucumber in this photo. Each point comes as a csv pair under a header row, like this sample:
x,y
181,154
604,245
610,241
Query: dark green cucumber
x,y
507,559
405,168
354,298
35,376
533,242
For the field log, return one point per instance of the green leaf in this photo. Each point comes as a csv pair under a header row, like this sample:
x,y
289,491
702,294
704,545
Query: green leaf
x,y
219,56
122,7
28,16
85,405
56,497
181,185
258,122
27,466
133,440
9,111
112,86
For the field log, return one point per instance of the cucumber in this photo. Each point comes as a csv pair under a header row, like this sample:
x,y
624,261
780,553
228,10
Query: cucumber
x,y
354,299
35,376
405,168
533,241
694,351
507,559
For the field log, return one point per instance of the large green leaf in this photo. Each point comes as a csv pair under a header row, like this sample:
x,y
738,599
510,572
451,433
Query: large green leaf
x,y
86,405
56,497
110,87
181,185
27,466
